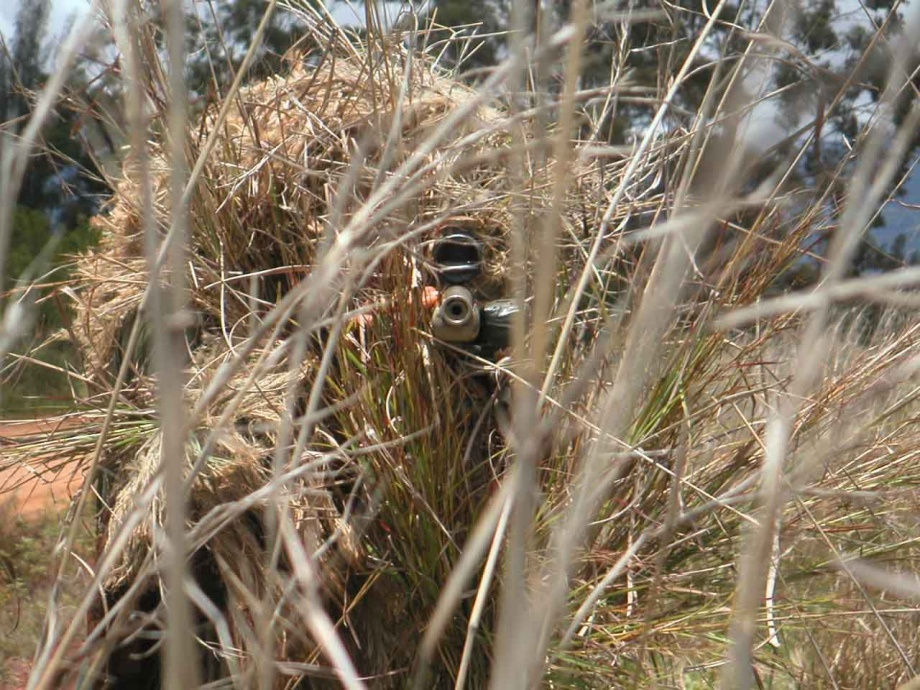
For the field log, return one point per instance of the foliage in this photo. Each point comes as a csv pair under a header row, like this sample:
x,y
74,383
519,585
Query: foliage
x,y
43,256
60,190
218,43
61,179
341,464
483,20
34,238
823,51
26,575
21,66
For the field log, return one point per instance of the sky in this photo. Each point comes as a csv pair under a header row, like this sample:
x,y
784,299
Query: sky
x,y
61,10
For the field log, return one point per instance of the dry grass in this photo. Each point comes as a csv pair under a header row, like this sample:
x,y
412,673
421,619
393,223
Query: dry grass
x,y
26,577
670,481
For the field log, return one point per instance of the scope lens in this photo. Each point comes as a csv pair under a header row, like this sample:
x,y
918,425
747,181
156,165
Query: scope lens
x,y
458,256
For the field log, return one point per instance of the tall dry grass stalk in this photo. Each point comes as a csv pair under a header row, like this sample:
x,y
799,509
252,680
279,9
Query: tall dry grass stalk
x,y
677,473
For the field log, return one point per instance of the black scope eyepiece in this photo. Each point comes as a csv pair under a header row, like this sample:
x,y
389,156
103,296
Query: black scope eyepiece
x,y
457,255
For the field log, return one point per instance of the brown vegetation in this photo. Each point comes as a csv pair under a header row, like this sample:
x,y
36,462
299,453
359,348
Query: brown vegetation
x,y
677,472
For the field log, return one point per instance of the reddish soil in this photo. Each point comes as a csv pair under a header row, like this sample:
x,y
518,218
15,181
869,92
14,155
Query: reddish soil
x,y
16,674
35,495
32,497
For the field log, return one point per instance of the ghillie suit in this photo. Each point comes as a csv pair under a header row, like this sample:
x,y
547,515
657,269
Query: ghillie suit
x,y
402,449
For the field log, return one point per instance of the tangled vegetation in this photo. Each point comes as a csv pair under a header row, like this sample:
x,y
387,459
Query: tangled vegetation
x,y
680,471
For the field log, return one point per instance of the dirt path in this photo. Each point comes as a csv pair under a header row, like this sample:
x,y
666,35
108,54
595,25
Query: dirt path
x,y
35,495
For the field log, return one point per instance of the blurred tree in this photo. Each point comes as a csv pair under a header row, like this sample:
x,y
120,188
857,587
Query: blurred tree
x,y
477,21
33,234
60,190
821,46
22,64
60,179
219,40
